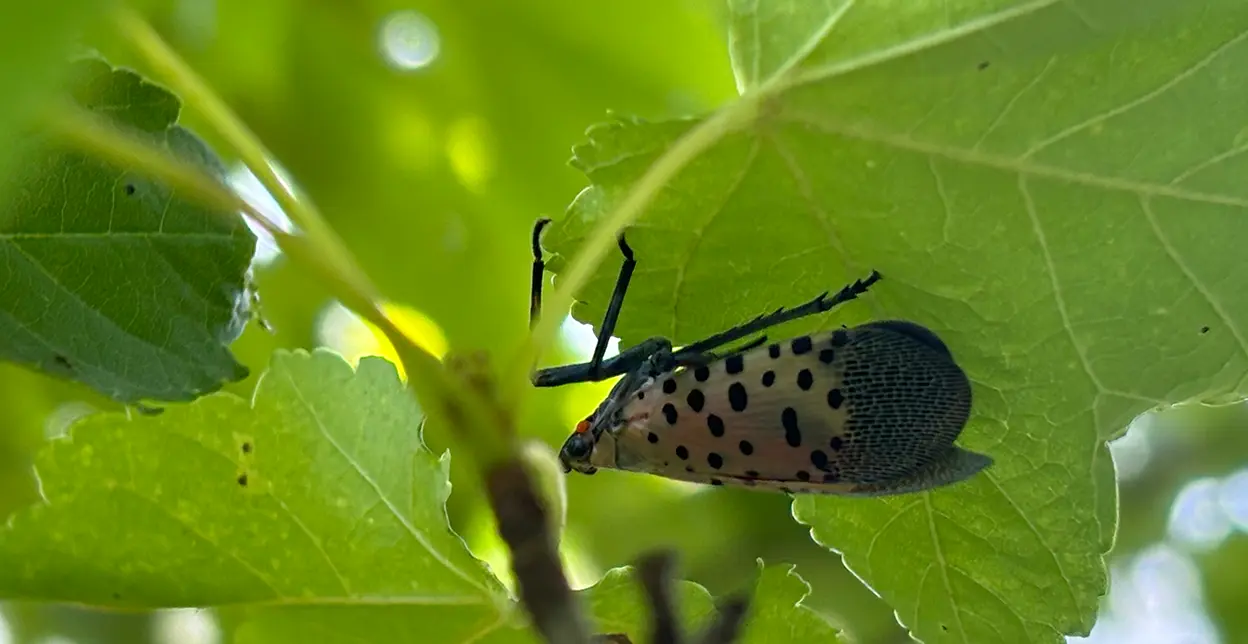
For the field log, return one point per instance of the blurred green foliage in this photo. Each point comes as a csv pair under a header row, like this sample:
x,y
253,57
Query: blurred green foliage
x,y
440,171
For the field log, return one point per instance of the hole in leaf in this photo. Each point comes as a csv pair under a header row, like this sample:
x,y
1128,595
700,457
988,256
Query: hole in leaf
x,y
129,189
246,448
63,362
1204,330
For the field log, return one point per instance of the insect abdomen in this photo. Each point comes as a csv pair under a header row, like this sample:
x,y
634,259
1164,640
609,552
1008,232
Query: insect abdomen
x,y
845,412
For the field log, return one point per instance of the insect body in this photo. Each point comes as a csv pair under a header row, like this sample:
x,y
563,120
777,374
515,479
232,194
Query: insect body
x,y
865,411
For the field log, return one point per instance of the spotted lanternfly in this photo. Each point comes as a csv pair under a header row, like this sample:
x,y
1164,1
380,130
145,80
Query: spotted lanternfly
x,y
871,410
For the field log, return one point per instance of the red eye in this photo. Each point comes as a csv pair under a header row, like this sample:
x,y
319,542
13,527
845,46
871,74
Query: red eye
x,y
582,427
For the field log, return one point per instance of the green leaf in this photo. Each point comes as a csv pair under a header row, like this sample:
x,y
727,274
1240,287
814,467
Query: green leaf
x,y
320,488
1030,181
110,279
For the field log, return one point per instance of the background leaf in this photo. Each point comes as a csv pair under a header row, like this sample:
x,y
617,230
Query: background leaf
x,y
1010,169
112,280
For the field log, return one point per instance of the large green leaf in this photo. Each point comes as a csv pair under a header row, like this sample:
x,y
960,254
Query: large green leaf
x,y
320,487
111,279
1051,186
316,511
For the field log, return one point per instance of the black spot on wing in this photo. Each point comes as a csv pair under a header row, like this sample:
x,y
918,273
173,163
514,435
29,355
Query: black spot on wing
x,y
734,364
792,433
737,397
702,373
800,345
669,386
805,379
696,400
715,424
669,413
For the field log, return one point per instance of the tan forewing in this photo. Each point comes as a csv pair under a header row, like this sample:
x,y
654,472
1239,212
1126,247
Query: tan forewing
x,y
822,413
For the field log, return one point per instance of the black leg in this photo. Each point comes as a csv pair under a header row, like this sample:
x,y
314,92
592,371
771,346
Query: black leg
x,y
628,360
613,307
818,305
539,268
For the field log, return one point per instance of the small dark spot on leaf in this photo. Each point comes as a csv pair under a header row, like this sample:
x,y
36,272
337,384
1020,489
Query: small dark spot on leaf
x,y
1204,330
984,65
944,628
116,595
64,362
246,448
129,189
242,479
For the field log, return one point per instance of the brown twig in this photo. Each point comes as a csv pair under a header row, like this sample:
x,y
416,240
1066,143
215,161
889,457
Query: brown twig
x,y
727,625
524,527
656,572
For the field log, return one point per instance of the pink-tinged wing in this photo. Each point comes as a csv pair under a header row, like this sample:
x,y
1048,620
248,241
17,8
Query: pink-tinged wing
x,y
868,410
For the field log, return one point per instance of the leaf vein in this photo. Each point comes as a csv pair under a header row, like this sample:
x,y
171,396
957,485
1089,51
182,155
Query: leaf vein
x,y
412,531
944,566
699,231
1172,252
1140,100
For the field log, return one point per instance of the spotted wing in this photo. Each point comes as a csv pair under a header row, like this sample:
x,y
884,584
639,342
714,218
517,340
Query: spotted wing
x,y
848,412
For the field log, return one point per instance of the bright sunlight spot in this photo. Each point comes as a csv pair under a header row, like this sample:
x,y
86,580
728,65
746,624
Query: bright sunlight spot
x,y
353,338
6,634
1196,518
1233,499
1154,599
1133,450
241,179
409,40
186,626
582,339
467,146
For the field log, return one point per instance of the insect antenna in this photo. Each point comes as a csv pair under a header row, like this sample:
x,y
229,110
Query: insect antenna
x,y
820,304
